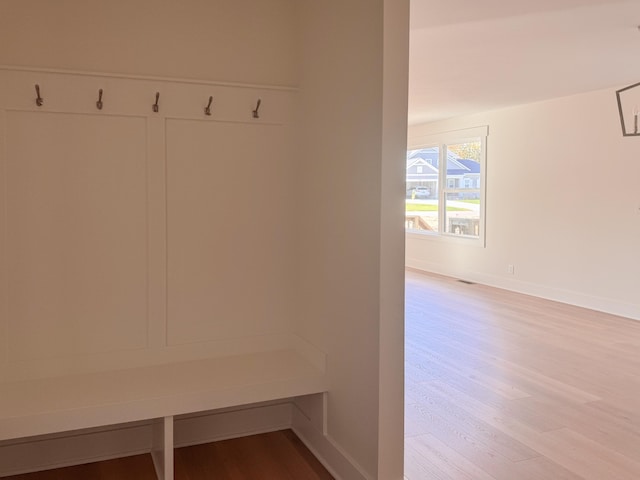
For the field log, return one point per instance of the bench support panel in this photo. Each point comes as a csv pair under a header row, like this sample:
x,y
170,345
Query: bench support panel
x,y
162,448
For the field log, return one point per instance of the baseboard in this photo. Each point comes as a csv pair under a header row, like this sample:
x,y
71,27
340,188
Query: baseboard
x,y
570,297
93,445
73,448
195,429
330,454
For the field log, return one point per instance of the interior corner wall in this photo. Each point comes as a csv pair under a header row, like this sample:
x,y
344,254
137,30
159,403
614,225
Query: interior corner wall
x,y
392,272
245,41
562,205
339,169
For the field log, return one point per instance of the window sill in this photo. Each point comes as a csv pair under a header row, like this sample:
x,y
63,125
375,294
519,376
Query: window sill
x,y
446,238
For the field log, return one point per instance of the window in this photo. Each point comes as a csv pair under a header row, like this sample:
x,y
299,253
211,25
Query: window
x,y
448,200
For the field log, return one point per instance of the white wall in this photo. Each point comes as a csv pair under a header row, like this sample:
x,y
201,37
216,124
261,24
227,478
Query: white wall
x,y
391,386
343,151
248,41
562,204
339,142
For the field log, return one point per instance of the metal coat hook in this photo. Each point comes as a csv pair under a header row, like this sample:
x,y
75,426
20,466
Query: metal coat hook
x,y
207,109
156,107
99,102
256,112
39,99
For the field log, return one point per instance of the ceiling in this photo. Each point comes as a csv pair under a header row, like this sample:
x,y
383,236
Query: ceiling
x,y
470,56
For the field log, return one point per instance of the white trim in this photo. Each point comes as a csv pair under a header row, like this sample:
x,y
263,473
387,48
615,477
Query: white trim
x,y
434,139
569,297
441,141
4,275
123,76
334,458
139,358
226,424
76,448
445,238
310,352
162,447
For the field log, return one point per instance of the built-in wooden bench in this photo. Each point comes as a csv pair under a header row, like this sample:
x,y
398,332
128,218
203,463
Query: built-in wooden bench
x,y
160,392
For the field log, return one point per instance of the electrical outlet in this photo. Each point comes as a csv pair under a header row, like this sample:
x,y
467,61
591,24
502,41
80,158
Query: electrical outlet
x,y
511,269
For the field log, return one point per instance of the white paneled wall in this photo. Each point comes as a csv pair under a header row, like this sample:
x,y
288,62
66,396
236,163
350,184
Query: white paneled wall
x,y
131,237
76,235
230,219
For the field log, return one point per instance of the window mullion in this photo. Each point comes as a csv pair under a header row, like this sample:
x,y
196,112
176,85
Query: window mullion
x,y
442,190
455,205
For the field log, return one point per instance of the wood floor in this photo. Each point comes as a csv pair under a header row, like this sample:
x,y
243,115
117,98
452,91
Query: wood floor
x,y
501,386
271,456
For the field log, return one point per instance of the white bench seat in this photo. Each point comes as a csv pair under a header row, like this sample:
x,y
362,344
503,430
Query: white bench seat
x,y
52,405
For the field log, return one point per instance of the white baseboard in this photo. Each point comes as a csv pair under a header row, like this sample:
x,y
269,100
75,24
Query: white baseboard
x,y
195,429
579,299
74,448
92,445
330,454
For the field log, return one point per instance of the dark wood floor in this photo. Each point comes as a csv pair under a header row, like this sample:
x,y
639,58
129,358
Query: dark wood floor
x,y
270,456
139,467
502,386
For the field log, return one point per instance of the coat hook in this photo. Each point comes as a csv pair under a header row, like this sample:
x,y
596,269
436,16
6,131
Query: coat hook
x,y
39,99
99,102
256,112
207,109
156,107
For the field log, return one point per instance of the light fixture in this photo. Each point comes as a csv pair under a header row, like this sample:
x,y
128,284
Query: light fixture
x,y
630,113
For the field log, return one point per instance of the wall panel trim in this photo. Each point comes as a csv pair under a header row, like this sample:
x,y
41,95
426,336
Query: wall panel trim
x,y
122,76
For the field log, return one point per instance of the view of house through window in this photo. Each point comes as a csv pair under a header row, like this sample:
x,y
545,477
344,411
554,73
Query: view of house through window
x,y
444,188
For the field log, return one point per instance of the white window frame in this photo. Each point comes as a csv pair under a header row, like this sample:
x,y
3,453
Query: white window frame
x,y
442,140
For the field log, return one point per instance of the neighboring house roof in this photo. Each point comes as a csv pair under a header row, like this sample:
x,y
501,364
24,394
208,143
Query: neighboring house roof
x,y
429,157
427,168
471,165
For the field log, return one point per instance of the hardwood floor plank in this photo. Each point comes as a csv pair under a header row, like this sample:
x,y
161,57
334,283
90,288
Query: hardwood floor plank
x,y
305,454
135,467
484,455
543,468
426,457
474,372
616,433
517,387
270,456
587,458
437,411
